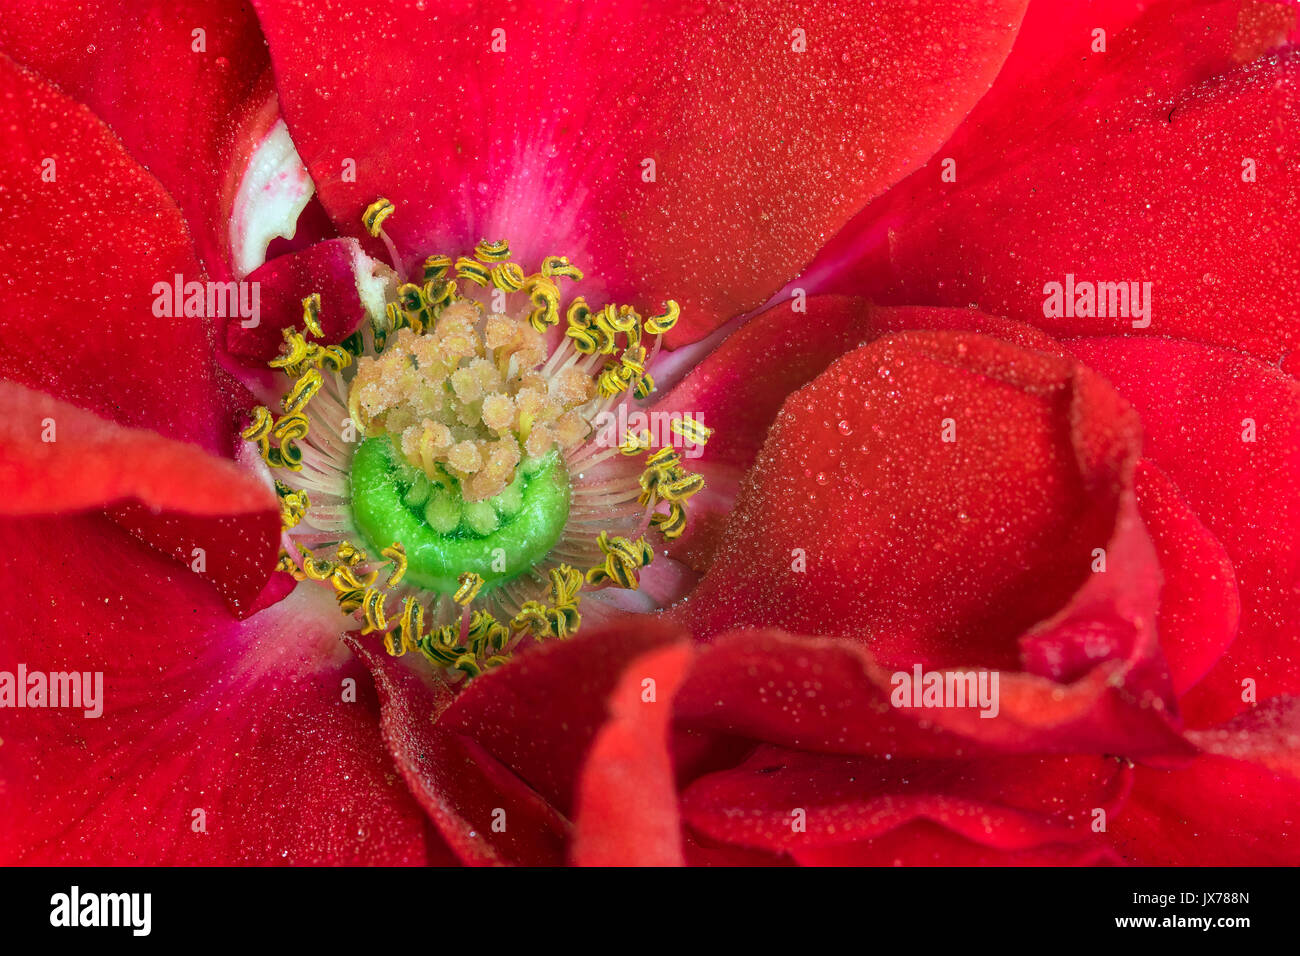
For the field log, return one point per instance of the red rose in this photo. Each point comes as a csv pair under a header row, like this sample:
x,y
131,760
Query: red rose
x,y
1024,427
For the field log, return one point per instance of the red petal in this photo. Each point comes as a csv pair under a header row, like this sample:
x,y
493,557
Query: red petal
x,y
760,151
1234,806
327,268
1004,803
830,695
860,519
248,722
1194,402
1140,181
176,108
1199,606
927,844
627,801
739,388
56,458
497,767
84,253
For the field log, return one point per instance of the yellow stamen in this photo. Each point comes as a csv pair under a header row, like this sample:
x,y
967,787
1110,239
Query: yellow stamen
x,y
311,314
375,214
470,585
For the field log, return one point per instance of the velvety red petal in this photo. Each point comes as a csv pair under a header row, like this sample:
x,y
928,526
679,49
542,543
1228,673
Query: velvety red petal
x,y
497,768
739,387
830,695
767,124
1236,805
794,801
1131,178
1199,604
207,512
268,726
84,252
928,844
173,79
627,799
1198,407
327,268
936,495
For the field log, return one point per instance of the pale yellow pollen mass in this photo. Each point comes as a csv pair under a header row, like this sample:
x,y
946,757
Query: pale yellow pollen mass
x,y
468,399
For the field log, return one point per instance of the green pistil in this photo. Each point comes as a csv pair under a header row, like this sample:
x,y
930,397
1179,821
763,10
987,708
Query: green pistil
x,y
445,536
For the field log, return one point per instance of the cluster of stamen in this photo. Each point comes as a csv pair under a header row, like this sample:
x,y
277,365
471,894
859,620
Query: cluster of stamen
x,y
472,396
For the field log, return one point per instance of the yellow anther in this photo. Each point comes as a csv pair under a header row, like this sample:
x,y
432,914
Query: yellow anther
x,y
375,214
612,380
508,277
350,554
335,356
349,600
372,605
382,324
545,297
296,353
470,584
561,618
623,558
314,568
293,505
672,523
663,321
439,292
412,308
560,266
410,628
584,340
579,314
469,664
624,318
262,424
486,634
566,584
663,458
473,270
488,251
345,579
297,397
636,443
681,486
692,429
643,388
311,314
436,268
287,431
397,555
287,564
